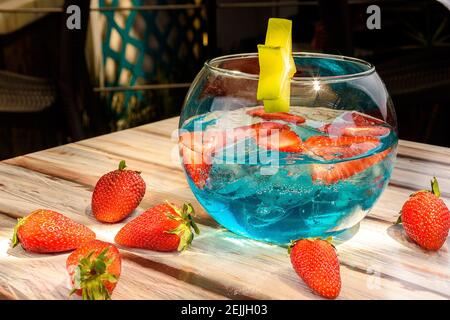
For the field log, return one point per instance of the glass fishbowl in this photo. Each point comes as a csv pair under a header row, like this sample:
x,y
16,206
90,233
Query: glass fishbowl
x,y
314,171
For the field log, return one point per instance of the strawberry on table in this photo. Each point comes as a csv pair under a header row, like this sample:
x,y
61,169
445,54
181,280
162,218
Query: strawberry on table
x,y
46,231
426,218
284,116
333,173
316,262
117,194
163,227
94,269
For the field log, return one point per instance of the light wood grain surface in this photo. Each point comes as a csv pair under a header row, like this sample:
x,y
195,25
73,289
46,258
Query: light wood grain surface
x,y
378,262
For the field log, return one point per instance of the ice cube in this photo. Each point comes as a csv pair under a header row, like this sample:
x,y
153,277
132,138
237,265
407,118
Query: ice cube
x,y
266,215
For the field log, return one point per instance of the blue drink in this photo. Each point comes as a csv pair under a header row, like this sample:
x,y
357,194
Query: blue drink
x,y
278,196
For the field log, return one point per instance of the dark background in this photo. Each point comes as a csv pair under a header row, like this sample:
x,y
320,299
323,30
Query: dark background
x,y
65,102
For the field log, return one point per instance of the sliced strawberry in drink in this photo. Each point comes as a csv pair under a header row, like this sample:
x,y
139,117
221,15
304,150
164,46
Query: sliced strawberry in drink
x,y
356,124
267,128
345,129
197,149
378,131
197,165
340,147
333,173
284,141
287,117
361,120
324,141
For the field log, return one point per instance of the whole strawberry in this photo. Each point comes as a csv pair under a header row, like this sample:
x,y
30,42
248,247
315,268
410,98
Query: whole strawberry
x,y
161,228
117,194
316,262
426,218
46,231
94,269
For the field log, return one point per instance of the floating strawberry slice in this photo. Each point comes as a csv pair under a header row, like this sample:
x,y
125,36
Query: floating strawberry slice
x,y
272,136
340,147
196,151
198,148
284,141
361,120
197,165
287,117
333,173
264,128
378,131
345,129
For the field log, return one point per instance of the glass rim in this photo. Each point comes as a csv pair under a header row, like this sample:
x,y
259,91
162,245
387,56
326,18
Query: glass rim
x,y
326,79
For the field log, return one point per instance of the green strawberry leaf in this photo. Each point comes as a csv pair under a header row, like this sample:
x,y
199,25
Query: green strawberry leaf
x,y
122,165
399,220
435,187
15,238
194,225
91,275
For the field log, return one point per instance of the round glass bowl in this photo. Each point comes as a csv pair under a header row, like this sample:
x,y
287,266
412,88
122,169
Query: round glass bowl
x,y
313,172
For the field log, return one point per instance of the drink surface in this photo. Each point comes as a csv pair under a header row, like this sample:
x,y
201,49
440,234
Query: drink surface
x,y
279,177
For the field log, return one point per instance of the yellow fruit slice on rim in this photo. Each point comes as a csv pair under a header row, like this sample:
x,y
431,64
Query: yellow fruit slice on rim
x,y
277,66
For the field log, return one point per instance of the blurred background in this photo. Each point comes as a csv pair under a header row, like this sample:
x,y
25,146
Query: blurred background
x,y
132,61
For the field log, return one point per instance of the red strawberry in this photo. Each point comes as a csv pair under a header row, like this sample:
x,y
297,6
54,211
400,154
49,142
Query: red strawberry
x,y
340,147
94,269
284,141
259,112
45,231
316,262
426,218
161,228
332,173
117,194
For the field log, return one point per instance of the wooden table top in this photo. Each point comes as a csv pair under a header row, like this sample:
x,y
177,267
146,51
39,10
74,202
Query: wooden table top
x,y
378,262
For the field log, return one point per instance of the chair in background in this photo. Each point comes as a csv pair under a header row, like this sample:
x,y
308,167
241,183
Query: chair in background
x,y
45,95
141,47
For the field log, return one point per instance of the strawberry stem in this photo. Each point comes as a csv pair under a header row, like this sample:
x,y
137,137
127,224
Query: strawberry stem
x,y
291,245
122,165
15,238
293,242
399,220
435,187
90,276
185,217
